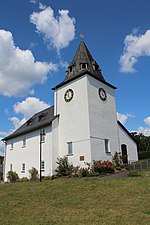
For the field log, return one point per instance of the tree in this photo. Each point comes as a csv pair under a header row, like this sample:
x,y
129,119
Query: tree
x,y
143,144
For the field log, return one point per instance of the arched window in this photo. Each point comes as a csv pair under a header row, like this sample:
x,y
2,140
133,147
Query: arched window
x,y
124,153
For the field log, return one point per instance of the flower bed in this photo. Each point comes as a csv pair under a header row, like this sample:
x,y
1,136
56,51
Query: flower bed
x,y
103,167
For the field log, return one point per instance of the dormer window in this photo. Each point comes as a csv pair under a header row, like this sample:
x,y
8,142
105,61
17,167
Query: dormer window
x,y
95,67
42,116
70,69
84,66
29,122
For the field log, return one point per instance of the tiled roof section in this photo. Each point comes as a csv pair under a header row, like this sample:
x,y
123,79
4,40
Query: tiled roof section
x,y
83,62
39,120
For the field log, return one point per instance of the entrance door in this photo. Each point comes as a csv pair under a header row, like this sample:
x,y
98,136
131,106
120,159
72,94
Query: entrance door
x,y
124,153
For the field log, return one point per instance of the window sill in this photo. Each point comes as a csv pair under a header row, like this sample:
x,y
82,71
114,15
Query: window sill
x,y
108,153
70,155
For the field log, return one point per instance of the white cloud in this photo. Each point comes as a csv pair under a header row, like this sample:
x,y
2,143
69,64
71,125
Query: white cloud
x,y
3,133
33,1
16,122
18,69
41,6
57,32
144,131
124,117
29,106
136,45
147,120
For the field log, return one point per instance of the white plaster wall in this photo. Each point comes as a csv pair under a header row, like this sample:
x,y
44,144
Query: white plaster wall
x,y
55,144
131,145
103,121
74,121
29,154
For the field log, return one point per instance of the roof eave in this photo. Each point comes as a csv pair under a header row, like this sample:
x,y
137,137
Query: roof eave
x,y
81,74
13,135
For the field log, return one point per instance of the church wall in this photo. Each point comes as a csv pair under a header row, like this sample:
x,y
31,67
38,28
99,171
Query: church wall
x,y
55,144
103,121
28,154
74,121
131,145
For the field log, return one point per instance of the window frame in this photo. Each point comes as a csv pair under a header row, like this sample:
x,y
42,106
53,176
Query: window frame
x,y
70,148
23,168
42,165
107,146
11,146
24,142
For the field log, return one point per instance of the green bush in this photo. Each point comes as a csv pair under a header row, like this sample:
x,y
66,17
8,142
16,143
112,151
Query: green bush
x,y
33,174
64,168
24,179
93,174
12,176
118,168
144,155
83,172
103,167
134,174
117,159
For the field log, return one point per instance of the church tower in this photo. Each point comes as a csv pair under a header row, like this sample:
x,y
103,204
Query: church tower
x,y
85,103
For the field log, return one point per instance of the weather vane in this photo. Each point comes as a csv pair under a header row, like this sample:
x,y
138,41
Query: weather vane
x,y
81,36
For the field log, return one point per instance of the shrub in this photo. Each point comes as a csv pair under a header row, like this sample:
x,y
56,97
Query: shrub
x,y
47,178
144,155
134,174
12,176
83,172
117,158
24,179
103,167
64,168
33,174
93,174
118,168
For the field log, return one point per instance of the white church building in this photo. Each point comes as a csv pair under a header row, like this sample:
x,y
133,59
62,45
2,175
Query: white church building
x,y
82,124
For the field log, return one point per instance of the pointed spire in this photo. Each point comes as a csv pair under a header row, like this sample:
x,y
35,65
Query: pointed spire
x,y
82,63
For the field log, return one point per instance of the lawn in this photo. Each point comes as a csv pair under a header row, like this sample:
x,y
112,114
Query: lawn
x,y
76,202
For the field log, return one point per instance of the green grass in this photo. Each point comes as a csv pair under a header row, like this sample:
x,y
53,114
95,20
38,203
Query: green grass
x,y
76,202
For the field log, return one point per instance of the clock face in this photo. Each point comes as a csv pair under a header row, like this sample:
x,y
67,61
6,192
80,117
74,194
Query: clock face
x,y
68,95
102,94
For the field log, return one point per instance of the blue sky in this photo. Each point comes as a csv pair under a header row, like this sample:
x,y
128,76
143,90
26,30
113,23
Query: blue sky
x,y
39,38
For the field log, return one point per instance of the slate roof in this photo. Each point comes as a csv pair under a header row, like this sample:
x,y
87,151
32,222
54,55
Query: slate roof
x,y
39,120
83,63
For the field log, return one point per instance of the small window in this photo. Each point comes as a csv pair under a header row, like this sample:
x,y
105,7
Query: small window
x,y
107,149
30,121
11,146
24,142
70,151
70,69
42,116
42,135
42,165
23,168
83,66
10,167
